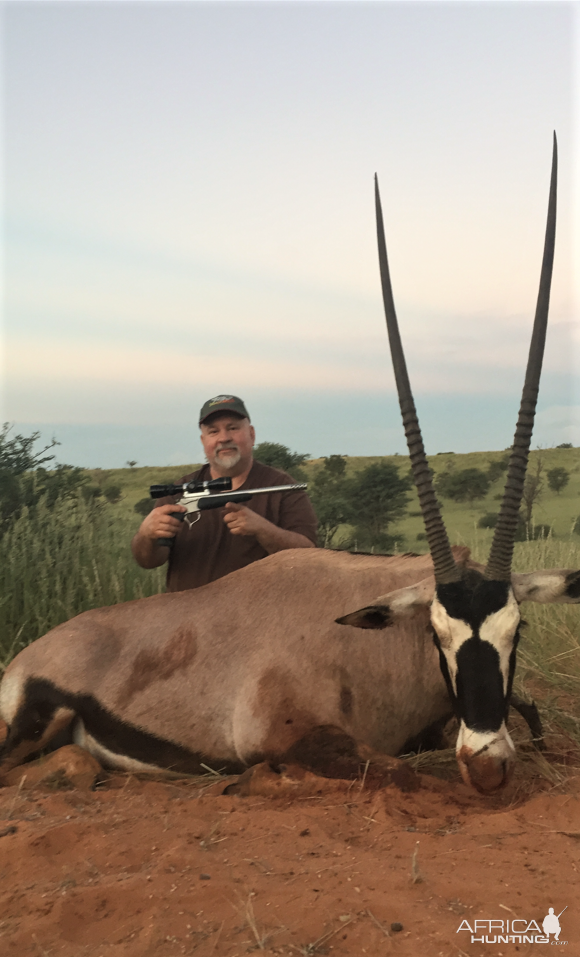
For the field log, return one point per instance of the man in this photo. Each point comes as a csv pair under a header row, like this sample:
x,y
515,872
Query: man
x,y
223,540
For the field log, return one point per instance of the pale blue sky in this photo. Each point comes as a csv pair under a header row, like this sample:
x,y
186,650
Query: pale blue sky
x,y
189,211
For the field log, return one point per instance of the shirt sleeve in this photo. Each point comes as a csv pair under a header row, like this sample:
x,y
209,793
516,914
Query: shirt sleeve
x,y
297,515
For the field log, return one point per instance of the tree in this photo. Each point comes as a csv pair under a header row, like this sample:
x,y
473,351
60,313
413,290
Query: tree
x,y
24,481
465,485
329,493
131,463
497,468
533,491
378,497
565,445
16,454
280,457
558,479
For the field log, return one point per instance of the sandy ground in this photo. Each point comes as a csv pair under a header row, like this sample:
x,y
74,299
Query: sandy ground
x,y
136,867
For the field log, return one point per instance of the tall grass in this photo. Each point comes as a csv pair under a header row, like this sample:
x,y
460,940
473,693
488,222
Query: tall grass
x,y
57,562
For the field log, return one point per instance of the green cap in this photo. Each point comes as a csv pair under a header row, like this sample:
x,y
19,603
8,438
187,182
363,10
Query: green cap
x,y
223,403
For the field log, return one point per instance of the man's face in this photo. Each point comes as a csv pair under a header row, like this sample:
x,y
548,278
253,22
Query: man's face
x,y
228,441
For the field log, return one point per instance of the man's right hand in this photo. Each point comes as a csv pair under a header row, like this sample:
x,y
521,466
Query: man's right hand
x,y
160,523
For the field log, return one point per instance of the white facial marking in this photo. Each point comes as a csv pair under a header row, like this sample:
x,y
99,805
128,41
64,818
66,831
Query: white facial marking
x,y
452,633
492,751
493,743
499,630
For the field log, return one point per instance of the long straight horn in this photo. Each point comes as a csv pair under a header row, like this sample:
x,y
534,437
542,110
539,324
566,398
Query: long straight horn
x,y
443,562
502,547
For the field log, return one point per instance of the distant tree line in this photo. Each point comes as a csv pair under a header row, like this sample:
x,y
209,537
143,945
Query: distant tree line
x,y
355,510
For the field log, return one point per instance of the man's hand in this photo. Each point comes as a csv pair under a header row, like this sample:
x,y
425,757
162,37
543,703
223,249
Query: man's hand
x,y
243,521
160,523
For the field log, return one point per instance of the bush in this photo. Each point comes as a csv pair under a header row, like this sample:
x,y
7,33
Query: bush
x,y
532,533
112,493
489,520
466,485
144,506
558,479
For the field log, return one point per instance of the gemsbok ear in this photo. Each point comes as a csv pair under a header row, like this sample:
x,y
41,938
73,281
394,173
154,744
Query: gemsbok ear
x,y
561,585
386,610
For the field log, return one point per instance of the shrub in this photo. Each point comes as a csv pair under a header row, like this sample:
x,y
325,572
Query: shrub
x,y
112,493
144,506
489,520
558,479
465,485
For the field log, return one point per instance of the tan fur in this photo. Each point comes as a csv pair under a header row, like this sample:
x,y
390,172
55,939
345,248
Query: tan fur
x,y
242,669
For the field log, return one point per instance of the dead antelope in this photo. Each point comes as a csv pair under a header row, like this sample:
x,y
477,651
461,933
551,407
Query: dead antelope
x,y
256,667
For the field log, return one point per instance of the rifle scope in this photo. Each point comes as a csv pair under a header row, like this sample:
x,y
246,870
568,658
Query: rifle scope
x,y
212,485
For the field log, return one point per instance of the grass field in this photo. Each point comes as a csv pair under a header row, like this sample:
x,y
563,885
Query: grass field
x,y
76,556
559,511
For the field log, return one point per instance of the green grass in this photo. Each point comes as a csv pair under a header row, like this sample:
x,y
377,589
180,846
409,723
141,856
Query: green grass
x,y
63,561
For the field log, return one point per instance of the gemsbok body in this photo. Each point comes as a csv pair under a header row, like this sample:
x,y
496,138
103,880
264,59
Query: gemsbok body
x,y
247,668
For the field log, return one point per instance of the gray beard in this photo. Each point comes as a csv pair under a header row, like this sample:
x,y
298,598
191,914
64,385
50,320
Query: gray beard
x,y
227,461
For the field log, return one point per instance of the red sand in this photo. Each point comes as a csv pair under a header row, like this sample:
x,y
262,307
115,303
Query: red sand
x,y
139,868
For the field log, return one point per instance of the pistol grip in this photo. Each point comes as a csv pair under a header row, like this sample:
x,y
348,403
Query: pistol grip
x,y
168,542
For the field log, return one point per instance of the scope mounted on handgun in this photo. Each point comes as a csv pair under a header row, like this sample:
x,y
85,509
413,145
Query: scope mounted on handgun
x,y
212,485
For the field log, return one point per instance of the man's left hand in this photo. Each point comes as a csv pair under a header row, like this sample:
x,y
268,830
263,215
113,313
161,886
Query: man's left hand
x,y
241,520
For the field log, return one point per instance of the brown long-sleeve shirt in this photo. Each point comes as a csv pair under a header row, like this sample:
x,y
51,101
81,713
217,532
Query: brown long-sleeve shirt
x,y
208,550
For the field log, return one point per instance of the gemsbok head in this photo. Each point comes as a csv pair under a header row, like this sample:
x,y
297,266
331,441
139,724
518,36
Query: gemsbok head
x,y
475,616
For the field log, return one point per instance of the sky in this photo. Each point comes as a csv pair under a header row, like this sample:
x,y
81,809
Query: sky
x,y
188,211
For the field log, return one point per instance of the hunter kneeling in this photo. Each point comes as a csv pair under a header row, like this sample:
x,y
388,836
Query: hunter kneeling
x,y
225,539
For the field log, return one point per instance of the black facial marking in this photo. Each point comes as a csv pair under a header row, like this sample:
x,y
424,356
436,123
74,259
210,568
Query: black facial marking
x,y
512,669
42,698
473,598
479,698
445,672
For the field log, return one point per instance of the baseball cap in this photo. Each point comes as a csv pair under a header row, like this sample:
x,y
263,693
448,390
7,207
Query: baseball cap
x,y
223,403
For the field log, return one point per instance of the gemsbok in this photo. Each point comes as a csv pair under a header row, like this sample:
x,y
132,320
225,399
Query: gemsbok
x,y
270,662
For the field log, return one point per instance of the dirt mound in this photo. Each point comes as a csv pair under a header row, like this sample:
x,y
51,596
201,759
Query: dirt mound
x,y
137,868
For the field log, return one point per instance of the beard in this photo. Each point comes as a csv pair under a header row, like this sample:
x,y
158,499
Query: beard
x,y
227,457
